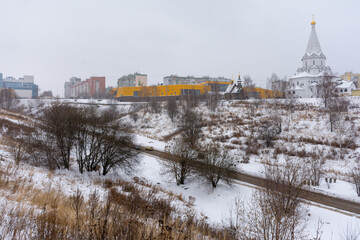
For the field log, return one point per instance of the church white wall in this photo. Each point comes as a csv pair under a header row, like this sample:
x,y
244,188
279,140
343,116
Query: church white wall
x,y
305,83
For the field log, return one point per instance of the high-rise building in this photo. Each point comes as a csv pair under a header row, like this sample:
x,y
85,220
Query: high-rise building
x,y
67,86
24,87
92,87
176,80
133,80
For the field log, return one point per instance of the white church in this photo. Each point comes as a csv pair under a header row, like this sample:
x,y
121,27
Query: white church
x,y
304,83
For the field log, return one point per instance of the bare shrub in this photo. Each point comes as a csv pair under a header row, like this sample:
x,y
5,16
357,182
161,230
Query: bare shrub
x,y
191,123
270,128
8,99
181,157
217,165
172,108
98,139
315,168
355,175
102,140
55,134
76,203
276,211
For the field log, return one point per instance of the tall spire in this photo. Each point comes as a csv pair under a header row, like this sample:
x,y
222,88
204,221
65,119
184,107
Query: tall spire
x,y
313,61
313,44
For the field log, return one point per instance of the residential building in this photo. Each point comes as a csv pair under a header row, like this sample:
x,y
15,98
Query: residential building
x,y
176,80
345,88
24,87
67,86
92,87
352,77
133,80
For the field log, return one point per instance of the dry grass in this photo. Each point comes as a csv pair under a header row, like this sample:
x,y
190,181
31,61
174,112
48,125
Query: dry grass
x,y
131,210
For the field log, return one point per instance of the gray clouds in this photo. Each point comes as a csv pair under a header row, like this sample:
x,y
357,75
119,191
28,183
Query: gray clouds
x,y
55,40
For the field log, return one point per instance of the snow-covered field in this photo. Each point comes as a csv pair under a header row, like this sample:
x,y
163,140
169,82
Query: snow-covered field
x,y
217,203
231,127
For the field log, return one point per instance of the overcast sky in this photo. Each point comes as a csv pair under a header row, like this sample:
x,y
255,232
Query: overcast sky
x,y
57,39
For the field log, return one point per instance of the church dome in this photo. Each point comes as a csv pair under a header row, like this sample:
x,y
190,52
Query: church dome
x,y
313,21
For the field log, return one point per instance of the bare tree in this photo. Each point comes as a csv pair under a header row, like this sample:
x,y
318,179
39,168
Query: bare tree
x,y
249,86
336,107
190,124
217,165
326,89
315,168
350,232
116,150
102,140
346,134
18,145
8,99
56,133
270,128
98,139
172,108
276,211
181,156
248,82
155,105
355,175
190,99
277,85
213,97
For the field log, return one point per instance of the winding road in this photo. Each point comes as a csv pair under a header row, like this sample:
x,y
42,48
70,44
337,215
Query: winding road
x,y
329,202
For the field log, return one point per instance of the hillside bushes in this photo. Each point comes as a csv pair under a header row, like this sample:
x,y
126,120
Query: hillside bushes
x,y
96,139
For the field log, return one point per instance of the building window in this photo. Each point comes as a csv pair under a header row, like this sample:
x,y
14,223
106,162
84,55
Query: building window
x,y
314,62
345,89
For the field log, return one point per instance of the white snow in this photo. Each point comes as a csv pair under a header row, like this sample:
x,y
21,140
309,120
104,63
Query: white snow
x,y
216,204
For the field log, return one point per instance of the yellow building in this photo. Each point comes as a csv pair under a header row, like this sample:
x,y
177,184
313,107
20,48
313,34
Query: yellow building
x,y
160,91
181,90
355,92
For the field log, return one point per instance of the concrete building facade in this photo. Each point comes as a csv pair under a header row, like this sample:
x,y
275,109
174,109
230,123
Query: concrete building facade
x,y
92,87
176,80
24,87
133,80
67,86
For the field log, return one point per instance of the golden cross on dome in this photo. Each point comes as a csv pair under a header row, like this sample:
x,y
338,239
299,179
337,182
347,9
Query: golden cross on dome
x,y
313,21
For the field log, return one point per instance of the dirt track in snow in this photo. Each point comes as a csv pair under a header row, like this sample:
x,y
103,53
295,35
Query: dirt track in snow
x,y
332,202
